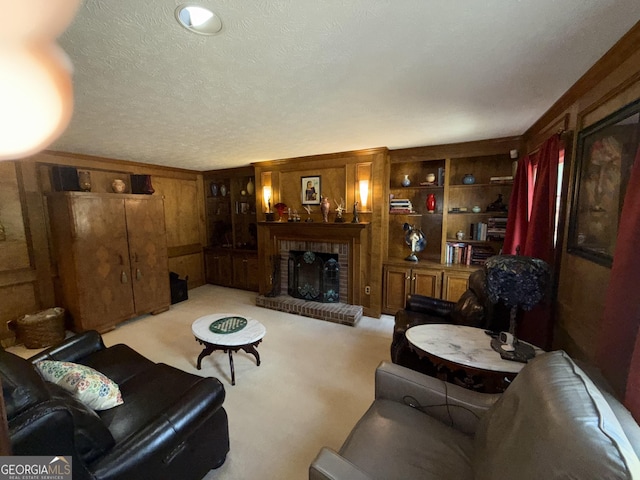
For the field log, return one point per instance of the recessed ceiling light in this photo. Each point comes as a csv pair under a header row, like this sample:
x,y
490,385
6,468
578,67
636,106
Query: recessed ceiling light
x,y
198,19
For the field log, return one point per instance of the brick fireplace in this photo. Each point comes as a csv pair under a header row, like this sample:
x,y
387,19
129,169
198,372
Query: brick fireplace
x,y
343,240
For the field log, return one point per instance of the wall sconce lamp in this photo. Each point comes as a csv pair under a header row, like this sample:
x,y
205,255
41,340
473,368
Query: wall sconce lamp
x,y
266,197
35,89
364,194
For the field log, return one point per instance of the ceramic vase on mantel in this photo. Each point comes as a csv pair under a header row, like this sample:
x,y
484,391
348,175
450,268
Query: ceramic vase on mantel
x,y
118,186
325,205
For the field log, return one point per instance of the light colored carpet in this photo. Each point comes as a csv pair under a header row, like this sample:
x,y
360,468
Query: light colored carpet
x,y
315,380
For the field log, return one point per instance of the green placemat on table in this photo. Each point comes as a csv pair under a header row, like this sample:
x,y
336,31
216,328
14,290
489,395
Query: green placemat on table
x,y
228,325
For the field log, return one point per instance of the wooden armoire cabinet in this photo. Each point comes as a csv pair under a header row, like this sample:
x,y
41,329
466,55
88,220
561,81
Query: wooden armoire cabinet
x,y
111,256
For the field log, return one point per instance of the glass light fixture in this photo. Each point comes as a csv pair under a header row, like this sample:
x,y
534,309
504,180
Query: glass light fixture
x,y
36,92
198,19
364,193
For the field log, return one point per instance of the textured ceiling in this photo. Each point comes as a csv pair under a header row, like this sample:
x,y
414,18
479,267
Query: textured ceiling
x,y
289,78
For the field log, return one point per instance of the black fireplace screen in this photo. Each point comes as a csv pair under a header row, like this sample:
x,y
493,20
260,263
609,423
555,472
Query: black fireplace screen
x,y
314,276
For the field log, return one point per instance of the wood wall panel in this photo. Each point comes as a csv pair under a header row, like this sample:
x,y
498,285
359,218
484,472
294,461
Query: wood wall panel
x,y
14,252
181,209
190,265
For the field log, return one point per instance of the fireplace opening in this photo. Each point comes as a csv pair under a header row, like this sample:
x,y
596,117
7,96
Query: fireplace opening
x,y
314,276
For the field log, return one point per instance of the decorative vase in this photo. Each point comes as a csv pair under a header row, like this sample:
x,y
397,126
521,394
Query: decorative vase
x,y
469,179
84,180
214,189
476,209
250,187
431,177
431,203
223,190
324,208
118,186
460,235
405,181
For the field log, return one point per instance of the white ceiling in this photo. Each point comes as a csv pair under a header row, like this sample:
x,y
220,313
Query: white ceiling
x,y
289,78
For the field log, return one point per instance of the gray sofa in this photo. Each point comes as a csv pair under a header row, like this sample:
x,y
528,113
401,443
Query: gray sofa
x,y
551,423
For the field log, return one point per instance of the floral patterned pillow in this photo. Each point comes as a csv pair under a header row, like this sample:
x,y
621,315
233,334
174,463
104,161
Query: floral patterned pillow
x,y
88,385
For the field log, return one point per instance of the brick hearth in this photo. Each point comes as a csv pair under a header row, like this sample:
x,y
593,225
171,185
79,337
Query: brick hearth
x,y
332,312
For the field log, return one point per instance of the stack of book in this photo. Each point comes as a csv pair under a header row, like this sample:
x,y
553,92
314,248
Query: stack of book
x,y
480,253
504,179
400,205
496,228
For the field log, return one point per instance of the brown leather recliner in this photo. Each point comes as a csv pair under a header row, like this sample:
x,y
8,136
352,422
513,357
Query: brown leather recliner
x,y
171,424
473,309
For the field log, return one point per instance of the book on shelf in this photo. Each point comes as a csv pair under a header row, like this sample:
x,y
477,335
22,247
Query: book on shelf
x,y
440,177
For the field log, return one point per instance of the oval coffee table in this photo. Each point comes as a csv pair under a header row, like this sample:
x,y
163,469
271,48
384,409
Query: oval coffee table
x,y
467,350
228,332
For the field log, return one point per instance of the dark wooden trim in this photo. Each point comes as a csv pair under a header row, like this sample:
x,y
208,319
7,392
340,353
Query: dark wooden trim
x,y
457,150
131,166
294,162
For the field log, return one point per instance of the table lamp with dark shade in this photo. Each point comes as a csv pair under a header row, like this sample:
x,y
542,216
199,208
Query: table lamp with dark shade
x,y
518,282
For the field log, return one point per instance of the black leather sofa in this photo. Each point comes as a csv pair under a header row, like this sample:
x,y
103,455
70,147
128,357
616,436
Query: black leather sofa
x,y
171,425
473,309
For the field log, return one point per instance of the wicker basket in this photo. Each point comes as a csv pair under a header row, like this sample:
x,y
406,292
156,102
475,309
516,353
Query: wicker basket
x,y
41,329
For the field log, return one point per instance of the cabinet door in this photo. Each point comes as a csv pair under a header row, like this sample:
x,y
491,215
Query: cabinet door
x,y
252,273
239,271
454,285
101,275
426,282
396,288
148,254
219,269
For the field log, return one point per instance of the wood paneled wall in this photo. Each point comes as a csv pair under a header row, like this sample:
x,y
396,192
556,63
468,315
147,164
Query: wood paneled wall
x,y
27,271
611,83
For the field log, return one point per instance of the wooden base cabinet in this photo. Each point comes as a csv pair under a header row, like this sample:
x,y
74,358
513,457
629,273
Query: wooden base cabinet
x,y
111,255
430,280
232,268
402,281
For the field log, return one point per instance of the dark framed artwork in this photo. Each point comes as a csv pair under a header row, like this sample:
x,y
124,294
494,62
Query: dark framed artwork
x,y
310,190
605,154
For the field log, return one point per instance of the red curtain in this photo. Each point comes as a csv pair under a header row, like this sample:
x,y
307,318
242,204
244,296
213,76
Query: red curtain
x,y
519,208
531,227
619,343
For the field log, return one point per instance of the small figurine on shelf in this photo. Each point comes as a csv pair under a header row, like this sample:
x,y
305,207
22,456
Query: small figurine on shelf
x,y
309,210
497,206
356,218
339,211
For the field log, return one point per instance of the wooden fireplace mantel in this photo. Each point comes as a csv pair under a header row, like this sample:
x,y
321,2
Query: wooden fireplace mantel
x,y
353,234
316,230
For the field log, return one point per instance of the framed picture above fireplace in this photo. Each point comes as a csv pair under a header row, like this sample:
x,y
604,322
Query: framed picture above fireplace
x,y
310,190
